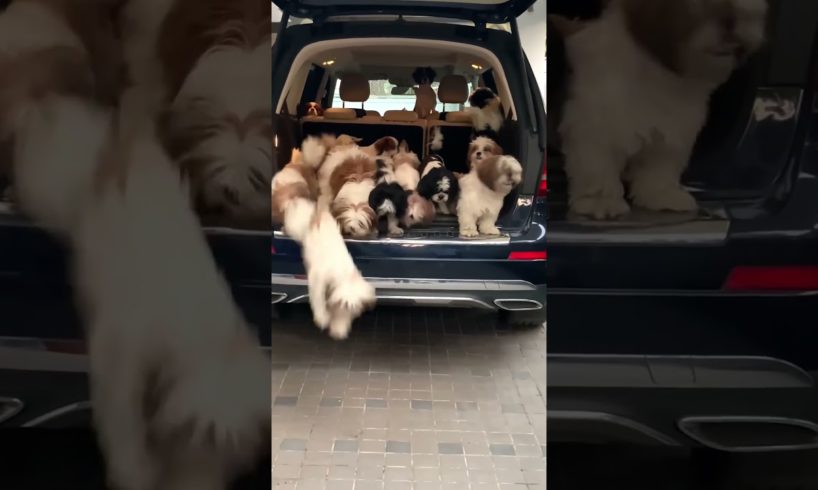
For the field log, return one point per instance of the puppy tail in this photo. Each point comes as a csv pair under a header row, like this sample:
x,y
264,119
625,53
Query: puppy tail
x,y
313,152
437,142
348,301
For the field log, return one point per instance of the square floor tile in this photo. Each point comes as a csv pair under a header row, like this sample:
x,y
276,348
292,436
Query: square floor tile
x,y
293,445
502,449
398,447
285,401
450,448
422,404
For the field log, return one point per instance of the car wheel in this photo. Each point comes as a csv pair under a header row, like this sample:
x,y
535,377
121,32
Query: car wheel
x,y
523,319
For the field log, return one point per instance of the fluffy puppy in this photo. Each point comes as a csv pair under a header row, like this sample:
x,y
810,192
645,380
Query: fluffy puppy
x,y
646,69
199,66
439,186
426,98
177,375
338,292
419,211
486,112
326,258
406,164
346,179
390,202
385,147
59,70
294,190
482,192
481,148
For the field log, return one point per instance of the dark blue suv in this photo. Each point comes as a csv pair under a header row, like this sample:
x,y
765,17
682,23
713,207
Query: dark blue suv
x,y
468,44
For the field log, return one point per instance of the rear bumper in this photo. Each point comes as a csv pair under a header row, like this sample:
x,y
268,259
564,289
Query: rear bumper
x,y
509,295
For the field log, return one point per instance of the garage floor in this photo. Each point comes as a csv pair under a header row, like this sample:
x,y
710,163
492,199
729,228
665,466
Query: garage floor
x,y
419,399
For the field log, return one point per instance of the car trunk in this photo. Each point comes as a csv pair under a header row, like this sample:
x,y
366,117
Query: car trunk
x,y
362,19
742,164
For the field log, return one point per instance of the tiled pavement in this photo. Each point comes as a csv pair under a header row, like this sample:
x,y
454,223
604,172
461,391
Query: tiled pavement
x,y
415,399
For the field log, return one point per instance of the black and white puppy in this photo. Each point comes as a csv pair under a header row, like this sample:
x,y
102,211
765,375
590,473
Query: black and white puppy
x,y
486,112
439,185
390,202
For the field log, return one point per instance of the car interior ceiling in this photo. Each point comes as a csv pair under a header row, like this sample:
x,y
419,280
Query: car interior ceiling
x,y
350,76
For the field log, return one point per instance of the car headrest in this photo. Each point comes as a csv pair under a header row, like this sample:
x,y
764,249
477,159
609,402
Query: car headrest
x,y
354,88
453,89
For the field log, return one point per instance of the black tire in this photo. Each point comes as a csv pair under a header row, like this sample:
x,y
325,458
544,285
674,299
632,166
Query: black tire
x,y
523,319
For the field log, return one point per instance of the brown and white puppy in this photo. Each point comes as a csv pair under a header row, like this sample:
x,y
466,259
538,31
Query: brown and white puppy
x,y
338,292
405,164
59,69
646,69
346,178
481,148
294,192
420,211
202,67
482,192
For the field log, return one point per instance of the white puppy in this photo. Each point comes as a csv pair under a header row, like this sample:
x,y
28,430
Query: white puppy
x,y
338,292
482,192
642,76
178,379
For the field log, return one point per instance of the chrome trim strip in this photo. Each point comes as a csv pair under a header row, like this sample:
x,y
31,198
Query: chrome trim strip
x,y
687,425
417,300
278,297
419,241
701,372
427,284
9,407
535,305
73,407
555,416
678,292
26,359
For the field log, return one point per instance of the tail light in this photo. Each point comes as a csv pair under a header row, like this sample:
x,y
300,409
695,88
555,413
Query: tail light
x,y
776,278
530,256
273,249
542,189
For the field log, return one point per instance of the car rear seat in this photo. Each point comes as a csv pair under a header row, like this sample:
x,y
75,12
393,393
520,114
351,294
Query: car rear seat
x,y
456,126
403,125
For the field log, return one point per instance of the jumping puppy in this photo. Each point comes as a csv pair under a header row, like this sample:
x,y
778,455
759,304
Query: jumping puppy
x,y
338,292
177,375
58,83
482,192
202,69
646,70
439,185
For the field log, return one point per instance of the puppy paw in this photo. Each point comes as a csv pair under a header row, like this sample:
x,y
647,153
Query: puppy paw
x,y
321,318
490,231
340,326
678,200
355,296
396,232
600,208
469,232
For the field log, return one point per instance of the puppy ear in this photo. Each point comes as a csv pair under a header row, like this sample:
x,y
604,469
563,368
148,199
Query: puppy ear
x,y
404,146
498,150
337,208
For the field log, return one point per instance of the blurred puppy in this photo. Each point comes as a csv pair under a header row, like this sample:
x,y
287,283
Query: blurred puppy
x,y
486,112
646,70
439,186
59,82
177,375
346,178
199,67
419,211
481,148
406,164
338,292
390,202
482,192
